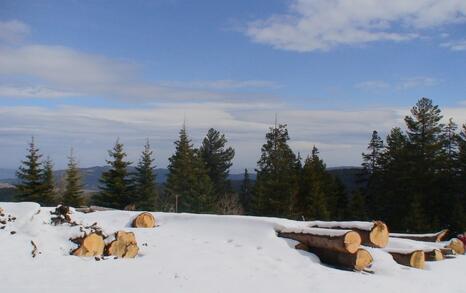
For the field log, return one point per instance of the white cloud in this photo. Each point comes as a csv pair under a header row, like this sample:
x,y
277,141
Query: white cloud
x,y
61,69
223,84
321,24
458,45
13,31
33,92
418,81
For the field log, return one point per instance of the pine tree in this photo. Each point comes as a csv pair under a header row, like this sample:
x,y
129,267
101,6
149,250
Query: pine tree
x,y
245,195
145,186
116,186
371,160
357,207
188,187
277,178
218,160
73,193
49,194
30,176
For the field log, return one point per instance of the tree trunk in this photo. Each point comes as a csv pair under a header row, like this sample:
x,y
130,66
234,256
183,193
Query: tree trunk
x,y
433,237
373,234
434,255
336,240
414,259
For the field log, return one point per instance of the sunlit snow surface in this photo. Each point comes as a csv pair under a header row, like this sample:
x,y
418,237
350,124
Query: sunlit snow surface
x,y
194,253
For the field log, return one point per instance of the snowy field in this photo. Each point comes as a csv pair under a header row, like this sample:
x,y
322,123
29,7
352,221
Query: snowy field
x,y
194,253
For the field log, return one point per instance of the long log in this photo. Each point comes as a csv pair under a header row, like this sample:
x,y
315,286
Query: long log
x,y
373,234
414,259
432,237
336,240
457,246
358,261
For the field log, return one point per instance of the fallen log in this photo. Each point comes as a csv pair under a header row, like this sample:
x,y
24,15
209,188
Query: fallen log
x,y
144,220
433,255
414,259
447,252
358,261
336,240
89,245
456,245
432,237
373,234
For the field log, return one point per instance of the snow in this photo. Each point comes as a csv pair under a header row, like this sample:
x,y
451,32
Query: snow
x,y
313,231
366,226
414,235
406,245
194,253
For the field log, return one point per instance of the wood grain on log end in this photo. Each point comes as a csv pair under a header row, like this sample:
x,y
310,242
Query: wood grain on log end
x,y
379,234
91,245
434,255
457,246
144,220
352,241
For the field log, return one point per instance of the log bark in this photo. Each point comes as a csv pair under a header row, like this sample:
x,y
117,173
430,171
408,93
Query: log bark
x,y
456,245
358,261
373,234
144,220
433,237
414,259
344,241
433,255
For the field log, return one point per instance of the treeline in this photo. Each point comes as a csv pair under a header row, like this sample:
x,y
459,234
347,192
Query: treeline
x,y
416,179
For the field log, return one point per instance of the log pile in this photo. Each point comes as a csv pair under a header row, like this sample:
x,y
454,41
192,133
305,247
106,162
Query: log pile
x,y
124,245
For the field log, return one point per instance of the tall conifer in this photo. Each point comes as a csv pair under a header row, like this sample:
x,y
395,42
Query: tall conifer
x,y
73,193
145,186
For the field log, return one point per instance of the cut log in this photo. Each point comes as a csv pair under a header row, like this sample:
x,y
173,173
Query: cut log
x,y
124,245
373,234
90,245
433,255
336,240
358,261
432,237
447,252
414,259
457,246
144,220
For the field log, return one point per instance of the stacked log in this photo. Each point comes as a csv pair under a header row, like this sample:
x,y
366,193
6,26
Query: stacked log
x,y
373,234
414,259
144,220
124,245
340,248
434,255
432,237
89,245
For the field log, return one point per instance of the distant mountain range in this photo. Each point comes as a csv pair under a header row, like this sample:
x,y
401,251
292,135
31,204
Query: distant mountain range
x,y
91,176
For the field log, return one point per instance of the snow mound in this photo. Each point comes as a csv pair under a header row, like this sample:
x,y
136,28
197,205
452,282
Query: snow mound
x,y
193,253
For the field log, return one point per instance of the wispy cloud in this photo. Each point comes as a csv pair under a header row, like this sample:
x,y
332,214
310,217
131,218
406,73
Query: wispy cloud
x,y
371,85
224,84
402,84
418,81
322,25
457,45
13,31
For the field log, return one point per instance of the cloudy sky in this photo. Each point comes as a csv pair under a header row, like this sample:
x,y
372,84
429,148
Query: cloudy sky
x,y
82,73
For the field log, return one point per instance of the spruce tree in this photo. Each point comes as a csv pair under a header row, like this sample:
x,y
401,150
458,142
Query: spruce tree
x,y
73,191
371,160
277,178
116,186
30,176
145,186
218,160
245,195
48,194
188,187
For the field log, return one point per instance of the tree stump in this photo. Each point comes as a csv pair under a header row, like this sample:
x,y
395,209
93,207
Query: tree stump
x,y
90,245
124,245
144,220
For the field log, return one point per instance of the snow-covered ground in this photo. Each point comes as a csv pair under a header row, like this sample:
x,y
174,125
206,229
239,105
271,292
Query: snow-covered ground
x,y
194,253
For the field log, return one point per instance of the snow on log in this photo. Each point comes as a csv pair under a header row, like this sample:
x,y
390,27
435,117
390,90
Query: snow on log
x,y
432,251
432,237
124,245
144,220
414,259
336,240
373,234
358,261
457,246
89,245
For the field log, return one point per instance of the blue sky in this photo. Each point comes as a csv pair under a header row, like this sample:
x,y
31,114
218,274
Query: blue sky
x,y
82,73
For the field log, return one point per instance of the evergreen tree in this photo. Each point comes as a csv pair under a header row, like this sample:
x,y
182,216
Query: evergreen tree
x,y
277,178
48,194
73,193
116,186
145,186
188,187
245,195
218,160
30,176
357,207
371,160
